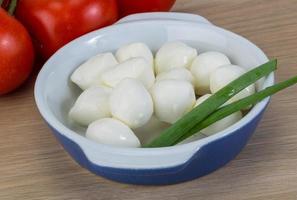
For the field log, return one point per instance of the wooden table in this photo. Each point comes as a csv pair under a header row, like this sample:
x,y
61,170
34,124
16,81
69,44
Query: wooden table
x,y
34,166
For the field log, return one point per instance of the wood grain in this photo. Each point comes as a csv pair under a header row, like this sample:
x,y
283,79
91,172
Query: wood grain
x,y
34,166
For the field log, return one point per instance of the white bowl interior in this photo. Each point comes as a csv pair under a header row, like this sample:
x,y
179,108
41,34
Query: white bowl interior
x,y
55,94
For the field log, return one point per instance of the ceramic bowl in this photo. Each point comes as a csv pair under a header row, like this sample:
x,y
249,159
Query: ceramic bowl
x,y
55,94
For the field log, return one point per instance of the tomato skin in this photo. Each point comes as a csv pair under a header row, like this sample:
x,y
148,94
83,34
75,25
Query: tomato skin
x,y
16,53
54,23
127,7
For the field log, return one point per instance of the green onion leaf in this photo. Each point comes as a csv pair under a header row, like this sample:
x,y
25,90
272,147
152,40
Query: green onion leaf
x,y
238,105
182,127
12,6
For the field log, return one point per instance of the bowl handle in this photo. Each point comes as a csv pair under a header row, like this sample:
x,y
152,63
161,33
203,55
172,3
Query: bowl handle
x,y
164,16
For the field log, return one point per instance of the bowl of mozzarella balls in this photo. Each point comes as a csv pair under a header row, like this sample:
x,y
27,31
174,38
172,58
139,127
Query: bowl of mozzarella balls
x,y
109,93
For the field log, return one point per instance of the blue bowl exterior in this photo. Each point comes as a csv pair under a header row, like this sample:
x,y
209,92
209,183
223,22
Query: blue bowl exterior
x,y
209,158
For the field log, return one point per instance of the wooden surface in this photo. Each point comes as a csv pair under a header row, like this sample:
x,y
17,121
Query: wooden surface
x,y
34,166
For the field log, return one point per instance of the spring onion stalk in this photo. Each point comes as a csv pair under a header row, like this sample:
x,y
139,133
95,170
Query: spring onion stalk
x,y
182,127
12,6
238,105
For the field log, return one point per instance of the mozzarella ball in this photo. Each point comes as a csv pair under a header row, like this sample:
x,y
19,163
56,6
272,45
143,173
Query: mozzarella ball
x,y
202,67
193,138
223,75
221,124
176,74
92,104
113,132
137,68
131,103
89,73
172,99
152,129
135,50
174,55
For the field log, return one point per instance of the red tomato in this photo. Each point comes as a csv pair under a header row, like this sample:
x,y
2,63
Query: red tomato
x,y
53,23
127,7
16,53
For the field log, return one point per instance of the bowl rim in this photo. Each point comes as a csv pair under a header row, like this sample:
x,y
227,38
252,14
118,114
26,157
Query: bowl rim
x,y
49,117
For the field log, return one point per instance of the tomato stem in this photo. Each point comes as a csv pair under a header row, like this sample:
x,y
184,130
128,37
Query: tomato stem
x,y
4,4
12,6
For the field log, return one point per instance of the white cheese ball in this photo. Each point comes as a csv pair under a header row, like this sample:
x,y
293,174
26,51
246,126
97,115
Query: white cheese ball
x,y
174,55
135,50
221,124
223,75
193,138
92,104
172,99
131,103
176,74
112,132
202,67
89,73
137,68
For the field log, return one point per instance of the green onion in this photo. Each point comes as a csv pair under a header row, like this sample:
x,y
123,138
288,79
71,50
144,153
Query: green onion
x,y
180,128
238,105
12,6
